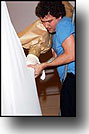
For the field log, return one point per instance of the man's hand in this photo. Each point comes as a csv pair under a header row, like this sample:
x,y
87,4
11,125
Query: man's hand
x,y
38,68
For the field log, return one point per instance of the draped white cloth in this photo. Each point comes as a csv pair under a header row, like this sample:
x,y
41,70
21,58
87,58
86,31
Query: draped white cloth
x,y
18,88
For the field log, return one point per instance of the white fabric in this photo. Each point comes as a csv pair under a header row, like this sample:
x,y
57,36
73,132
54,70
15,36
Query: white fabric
x,y
33,59
19,93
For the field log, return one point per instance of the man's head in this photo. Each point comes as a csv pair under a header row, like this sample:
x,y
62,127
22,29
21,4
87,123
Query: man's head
x,y
50,12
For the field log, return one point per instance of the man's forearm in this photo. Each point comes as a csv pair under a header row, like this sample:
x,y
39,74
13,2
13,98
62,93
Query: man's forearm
x,y
62,59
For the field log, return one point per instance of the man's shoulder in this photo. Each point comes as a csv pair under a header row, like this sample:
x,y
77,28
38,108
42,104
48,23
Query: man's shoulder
x,y
64,29
63,23
64,20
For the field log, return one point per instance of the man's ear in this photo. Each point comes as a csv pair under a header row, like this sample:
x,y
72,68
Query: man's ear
x,y
60,18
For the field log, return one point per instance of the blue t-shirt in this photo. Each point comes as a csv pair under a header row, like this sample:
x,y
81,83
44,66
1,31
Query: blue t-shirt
x,y
64,29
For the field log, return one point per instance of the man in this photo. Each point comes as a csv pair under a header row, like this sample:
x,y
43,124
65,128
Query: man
x,y
35,39
52,15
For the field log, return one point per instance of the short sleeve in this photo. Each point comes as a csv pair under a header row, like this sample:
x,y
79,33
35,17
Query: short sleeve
x,y
64,29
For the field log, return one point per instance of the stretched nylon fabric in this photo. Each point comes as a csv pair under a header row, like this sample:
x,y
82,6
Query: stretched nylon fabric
x,y
19,93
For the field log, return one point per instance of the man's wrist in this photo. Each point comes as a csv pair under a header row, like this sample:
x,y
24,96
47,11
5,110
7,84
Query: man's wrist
x,y
45,65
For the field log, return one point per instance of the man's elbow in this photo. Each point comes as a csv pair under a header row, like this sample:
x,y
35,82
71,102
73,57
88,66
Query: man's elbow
x,y
72,58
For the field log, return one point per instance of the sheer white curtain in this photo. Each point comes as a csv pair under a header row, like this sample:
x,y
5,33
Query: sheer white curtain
x,y
18,88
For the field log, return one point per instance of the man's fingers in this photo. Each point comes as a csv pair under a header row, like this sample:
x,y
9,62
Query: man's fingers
x,y
31,66
36,75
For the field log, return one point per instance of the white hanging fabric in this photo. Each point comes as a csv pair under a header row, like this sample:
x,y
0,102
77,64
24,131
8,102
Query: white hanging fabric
x,y
18,88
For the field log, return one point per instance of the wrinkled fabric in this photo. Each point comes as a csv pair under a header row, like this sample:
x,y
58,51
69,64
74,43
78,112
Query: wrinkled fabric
x,y
33,59
35,38
19,95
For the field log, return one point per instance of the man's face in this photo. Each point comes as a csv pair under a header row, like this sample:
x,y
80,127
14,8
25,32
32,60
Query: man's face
x,y
50,22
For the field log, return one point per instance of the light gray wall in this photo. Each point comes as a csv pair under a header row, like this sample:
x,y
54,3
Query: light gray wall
x,y
22,13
